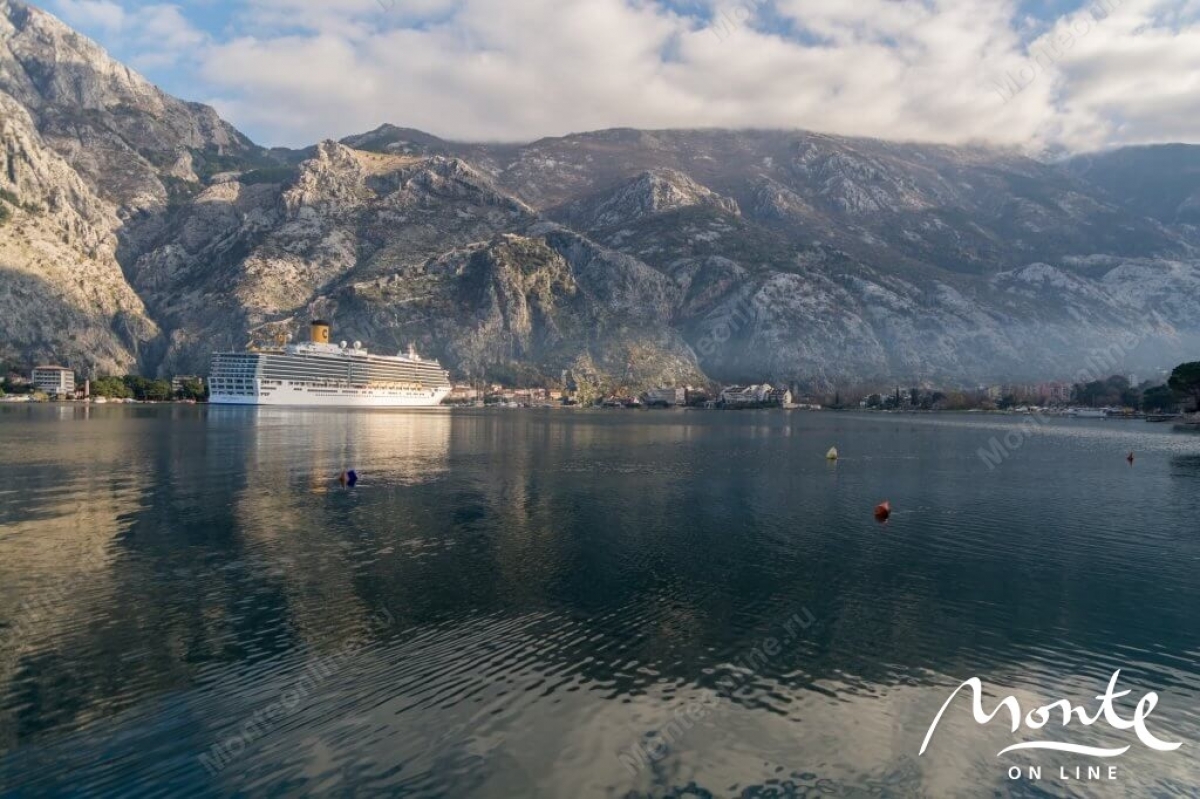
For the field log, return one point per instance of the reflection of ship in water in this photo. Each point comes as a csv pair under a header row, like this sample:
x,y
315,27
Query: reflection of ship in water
x,y
312,534
315,445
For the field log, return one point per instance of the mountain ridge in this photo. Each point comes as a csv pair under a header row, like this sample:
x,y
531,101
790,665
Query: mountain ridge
x,y
619,256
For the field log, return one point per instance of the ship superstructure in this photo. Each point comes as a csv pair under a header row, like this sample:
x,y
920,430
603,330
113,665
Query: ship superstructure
x,y
318,373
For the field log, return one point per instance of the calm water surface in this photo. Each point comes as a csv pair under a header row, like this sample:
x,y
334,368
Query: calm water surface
x,y
563,603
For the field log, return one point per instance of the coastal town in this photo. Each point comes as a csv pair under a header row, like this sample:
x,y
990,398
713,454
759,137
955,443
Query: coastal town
x,y
1174,396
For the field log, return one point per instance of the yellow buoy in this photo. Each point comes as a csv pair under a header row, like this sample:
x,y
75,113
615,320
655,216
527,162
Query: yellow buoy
x,y
832,455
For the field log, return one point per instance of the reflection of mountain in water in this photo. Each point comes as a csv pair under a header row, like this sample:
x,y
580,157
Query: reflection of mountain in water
x,y
562,582
65,510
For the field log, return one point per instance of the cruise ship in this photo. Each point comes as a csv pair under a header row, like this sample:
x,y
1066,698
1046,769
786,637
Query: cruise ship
x,y
318,373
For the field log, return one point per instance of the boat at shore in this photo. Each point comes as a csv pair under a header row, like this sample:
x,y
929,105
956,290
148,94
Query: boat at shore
x,y
1088,413
317,373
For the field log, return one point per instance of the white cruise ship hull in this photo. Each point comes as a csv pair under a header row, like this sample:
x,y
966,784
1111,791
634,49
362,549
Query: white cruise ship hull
x,y
329,396
318,374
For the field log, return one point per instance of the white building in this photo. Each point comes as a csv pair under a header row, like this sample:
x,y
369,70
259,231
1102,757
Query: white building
x,y
745,395
666,396
780,396
764,394
57,381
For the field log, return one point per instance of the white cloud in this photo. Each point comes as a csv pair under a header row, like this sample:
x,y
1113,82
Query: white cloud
x,y
1132,76
157,34
292,71
90,14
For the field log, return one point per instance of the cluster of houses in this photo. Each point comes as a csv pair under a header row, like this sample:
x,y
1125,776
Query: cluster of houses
x,y
1042,393
59,382
755,396
497,394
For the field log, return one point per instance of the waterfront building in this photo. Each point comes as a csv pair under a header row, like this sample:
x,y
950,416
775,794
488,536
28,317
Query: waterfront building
x,y
1053,393
779,396
669,397
764,394
463,395
57,381
738,395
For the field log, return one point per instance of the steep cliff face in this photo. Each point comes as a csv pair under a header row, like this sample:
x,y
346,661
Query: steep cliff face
x,y
254,251
141,231
100,152
536,307
130,141
63,297
769,292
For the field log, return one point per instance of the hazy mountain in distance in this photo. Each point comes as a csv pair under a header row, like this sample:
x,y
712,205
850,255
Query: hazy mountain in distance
x,y
1160,181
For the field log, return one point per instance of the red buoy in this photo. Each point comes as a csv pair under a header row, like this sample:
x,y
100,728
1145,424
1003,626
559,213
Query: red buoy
x,y
1130,459
883,511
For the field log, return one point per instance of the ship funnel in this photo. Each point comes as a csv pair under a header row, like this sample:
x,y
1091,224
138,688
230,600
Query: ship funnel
x,y
320,332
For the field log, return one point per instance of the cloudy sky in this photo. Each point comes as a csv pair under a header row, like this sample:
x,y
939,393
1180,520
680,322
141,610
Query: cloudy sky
x,y
1039,74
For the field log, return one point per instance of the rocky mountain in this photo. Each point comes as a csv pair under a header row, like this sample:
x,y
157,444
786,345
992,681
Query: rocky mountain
x,y
93,155
63,295
1160,182
141,231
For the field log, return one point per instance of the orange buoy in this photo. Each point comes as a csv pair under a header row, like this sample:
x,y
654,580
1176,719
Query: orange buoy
x,y
883,511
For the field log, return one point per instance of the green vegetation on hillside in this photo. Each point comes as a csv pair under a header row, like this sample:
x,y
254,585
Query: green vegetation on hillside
x,y
1114,391
180,192
210,161
1159,399
145,389
274,174
193,389
1185,380
13,199
10,198
132,387
111,387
